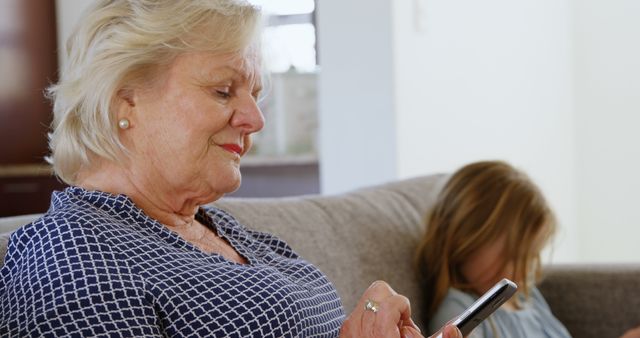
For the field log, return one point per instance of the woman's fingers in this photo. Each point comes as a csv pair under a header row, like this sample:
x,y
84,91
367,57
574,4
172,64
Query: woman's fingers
x,y
410,332
412,324
449,331
397,307
381,312
394,310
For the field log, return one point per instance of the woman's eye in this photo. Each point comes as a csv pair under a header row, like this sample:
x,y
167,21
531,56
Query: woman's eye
x,y
223,93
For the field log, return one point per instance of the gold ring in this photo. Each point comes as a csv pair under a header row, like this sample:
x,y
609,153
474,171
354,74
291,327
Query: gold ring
x,y
371,305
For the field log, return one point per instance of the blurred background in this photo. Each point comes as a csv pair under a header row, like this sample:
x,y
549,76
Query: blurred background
x,y
369,91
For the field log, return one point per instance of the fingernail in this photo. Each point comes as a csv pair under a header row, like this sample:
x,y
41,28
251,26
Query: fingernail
x,y
451,331
446,333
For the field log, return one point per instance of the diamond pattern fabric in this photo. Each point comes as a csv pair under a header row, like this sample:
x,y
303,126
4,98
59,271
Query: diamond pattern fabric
x,y
96,266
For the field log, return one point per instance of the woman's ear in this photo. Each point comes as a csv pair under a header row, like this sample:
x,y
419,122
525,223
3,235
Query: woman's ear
x,y
126,103
127,96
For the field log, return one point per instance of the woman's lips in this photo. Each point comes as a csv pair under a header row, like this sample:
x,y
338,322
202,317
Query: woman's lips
x,y
234,148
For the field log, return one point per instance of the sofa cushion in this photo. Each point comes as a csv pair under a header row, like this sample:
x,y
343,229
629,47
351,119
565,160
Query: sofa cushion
x,y
594,300
4,241
9,224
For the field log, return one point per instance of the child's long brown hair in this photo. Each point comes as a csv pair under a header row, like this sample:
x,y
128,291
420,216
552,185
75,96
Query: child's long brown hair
x,y
481,202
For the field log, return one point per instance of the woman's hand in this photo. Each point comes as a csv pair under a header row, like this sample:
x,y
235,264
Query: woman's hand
x,y
448,331
383,313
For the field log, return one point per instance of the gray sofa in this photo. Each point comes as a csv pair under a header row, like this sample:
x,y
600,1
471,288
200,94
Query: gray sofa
x,y
371,233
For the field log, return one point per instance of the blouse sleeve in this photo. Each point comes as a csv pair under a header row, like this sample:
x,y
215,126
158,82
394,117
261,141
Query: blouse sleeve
x,y
60,279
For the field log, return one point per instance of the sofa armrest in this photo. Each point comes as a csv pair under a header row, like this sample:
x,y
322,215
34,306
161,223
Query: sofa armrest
x,y
594,300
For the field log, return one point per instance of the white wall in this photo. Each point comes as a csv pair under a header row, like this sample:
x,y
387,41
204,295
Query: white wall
x,y
607,96
484,80
355,94
473,80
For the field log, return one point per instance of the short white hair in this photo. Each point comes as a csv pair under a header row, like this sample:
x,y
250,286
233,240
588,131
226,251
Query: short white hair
x,y
118,42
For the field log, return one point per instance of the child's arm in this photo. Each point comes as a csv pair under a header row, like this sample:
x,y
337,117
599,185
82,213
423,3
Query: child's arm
x,y
455,303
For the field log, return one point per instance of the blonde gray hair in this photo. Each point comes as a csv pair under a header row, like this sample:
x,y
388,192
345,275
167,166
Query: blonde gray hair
x,y
119,42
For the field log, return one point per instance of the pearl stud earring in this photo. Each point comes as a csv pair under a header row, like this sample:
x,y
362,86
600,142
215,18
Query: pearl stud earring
x,y
123,124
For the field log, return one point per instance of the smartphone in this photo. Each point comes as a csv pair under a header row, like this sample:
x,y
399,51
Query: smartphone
x,y
485,306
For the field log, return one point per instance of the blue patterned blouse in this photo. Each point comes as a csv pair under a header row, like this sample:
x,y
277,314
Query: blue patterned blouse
x,y
96,265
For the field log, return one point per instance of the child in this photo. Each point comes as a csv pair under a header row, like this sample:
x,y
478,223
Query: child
x,y
489,222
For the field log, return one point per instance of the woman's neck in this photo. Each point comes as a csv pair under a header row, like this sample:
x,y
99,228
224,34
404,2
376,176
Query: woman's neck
x,y
169,208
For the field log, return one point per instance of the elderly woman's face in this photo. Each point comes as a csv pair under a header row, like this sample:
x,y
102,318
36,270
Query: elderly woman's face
x,y
192,125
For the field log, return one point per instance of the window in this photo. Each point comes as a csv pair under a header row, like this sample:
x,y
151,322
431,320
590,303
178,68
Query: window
x,y
290,35
290,109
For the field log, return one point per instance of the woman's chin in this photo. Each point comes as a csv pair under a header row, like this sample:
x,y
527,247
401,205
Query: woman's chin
x,y
230,184
234,187
217,191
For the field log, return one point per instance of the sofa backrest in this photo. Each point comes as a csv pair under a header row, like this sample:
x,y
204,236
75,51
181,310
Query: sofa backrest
x,y
7,226
355,238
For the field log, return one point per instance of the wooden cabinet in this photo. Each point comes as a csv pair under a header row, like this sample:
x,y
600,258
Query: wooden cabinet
x,y
26,189
28,64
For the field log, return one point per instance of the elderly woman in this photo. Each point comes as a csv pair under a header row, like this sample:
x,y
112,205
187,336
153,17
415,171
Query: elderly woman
x,y
151,118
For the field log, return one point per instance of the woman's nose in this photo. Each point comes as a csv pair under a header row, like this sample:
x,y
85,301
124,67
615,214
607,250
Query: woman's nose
x,y
248,116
